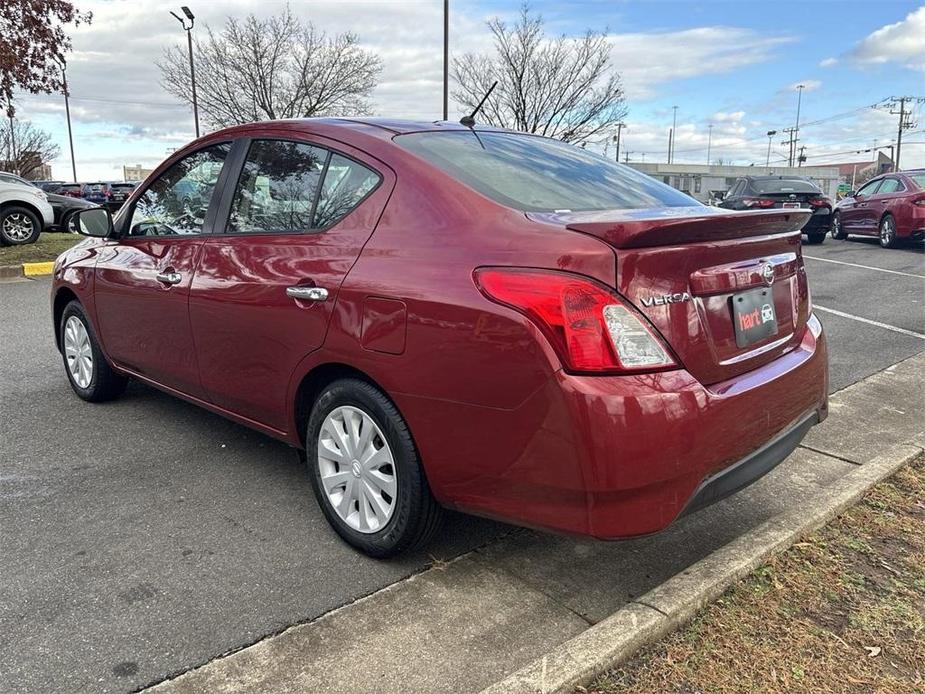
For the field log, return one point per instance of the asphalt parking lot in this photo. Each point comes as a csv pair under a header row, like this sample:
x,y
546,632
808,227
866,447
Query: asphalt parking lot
x,y
146,536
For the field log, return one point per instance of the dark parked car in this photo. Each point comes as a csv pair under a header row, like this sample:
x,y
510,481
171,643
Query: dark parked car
x,y
783,192
110,195
890,207
49,186
441,316
64,208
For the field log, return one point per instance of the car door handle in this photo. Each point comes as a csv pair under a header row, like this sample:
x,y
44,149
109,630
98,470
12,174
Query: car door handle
x,y
307,293
169,277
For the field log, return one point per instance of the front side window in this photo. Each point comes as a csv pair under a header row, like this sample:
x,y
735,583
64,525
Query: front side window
x,y
177,202
277,188
345,185
870,188
537,174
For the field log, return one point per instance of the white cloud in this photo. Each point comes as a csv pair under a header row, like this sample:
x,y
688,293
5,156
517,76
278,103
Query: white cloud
x,y
648,60
828,62
902,43
721,116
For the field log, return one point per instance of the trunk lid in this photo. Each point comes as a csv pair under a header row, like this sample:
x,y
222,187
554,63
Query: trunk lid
x,y
697,272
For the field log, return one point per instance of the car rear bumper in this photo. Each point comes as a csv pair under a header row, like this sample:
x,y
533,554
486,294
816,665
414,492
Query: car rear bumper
x,y
617,457
819,223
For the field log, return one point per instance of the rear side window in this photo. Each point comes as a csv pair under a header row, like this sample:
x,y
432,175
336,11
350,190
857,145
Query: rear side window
x,y
889,185
345,185
918,179
777,185
538,174
277,188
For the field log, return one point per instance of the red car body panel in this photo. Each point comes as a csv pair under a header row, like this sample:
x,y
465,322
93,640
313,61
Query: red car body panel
x,y
502,428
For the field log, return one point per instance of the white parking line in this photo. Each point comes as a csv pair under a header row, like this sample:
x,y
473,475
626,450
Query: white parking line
x,y
865,267
901,331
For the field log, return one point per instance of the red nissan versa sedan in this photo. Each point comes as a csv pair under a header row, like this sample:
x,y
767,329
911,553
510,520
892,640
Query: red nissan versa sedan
x,y
451,317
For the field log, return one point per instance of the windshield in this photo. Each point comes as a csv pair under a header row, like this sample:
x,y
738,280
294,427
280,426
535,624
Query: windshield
x,y
537,174
776,185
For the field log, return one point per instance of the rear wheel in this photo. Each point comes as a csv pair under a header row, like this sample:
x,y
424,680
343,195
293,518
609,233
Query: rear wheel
x,y
90,375
366,472
19,226
888,232
838,231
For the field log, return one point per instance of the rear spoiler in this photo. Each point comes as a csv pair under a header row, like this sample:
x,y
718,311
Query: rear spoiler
x,y
677,225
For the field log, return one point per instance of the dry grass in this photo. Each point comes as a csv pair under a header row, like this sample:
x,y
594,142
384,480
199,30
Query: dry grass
x,y
48,247
841,611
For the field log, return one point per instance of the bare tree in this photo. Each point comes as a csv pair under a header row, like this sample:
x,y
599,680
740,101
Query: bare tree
x,y
33,45
559,87
25,148
273,68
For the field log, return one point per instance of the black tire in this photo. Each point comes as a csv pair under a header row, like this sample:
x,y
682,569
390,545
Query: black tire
x,y
887,232
416,514
105,383
15,221
838,232
64,226
816,238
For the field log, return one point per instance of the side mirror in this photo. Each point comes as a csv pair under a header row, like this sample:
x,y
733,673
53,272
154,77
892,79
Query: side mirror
x,y
94,221
852,194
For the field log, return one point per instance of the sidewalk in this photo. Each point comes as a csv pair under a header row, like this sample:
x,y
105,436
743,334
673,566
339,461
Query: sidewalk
x,y
545,610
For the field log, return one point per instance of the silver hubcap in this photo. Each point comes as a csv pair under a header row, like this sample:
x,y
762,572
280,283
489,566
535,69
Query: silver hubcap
x,y
357,469
836,226
17,227
886,231
78,352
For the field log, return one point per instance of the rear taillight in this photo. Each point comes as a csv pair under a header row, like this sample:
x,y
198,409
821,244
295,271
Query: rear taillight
x,y
819,202
591,329
920,202
758,202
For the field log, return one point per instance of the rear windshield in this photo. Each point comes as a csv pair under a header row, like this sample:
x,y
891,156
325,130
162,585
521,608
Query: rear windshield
x,y
123,186
776,185
918,178
537,174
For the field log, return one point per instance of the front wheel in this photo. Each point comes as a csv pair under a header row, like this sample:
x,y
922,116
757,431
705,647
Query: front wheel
x,y
19,226
366,472
838,231
90,375
888,232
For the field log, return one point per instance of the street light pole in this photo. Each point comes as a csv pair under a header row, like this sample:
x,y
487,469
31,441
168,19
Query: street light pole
x,y
674,129
446,58
67,111
709,142
796,128
767,163
192,70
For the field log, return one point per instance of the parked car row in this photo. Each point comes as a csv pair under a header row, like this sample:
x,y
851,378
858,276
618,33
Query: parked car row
x,y
29,207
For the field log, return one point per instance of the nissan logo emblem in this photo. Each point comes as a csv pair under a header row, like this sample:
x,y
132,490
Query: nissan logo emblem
x,y
768,273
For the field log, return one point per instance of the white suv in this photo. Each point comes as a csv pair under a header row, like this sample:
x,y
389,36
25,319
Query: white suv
x,y
24,211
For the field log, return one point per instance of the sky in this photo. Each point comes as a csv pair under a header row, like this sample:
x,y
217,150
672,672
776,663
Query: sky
x,y
730,64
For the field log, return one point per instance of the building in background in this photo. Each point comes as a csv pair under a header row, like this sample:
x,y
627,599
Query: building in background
x,y
134,174
31,163
855,173
709,184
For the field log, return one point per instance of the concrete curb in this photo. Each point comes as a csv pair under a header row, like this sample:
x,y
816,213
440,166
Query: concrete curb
x,y
10,272
673,603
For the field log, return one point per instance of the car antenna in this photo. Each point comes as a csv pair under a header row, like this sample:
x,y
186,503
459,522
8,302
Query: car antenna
x,y
469,121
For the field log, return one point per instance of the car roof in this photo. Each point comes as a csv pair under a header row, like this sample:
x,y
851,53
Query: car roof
x,y
782,177
385,127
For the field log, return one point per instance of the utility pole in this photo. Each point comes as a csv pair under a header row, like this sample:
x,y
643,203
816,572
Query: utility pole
x,y
792,143
192,70
767,163
898,107
709,141
616,139
446,58
67,111
802,157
